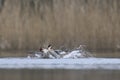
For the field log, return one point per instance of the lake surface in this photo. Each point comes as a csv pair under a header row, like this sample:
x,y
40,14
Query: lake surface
x,y
60,69
60,74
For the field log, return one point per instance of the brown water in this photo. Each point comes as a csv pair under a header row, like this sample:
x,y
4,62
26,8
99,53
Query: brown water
x,y
26,74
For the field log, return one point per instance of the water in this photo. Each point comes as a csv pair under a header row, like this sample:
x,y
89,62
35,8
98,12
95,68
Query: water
x,y
60,74
76,64
55,73
71,69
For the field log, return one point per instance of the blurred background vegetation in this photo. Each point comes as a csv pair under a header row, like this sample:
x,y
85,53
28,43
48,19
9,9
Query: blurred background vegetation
x,y
29,24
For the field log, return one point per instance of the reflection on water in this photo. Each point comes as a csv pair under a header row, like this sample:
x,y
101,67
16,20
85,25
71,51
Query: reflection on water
x,y
35,74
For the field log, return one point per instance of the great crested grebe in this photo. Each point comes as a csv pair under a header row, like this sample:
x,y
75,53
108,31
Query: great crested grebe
x,y
45,52
52,52
56,54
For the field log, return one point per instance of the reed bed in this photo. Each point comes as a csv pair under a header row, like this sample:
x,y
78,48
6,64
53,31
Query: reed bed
x,y
29,24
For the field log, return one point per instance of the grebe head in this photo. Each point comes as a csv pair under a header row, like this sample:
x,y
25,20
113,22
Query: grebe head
x,y
41,49
49,47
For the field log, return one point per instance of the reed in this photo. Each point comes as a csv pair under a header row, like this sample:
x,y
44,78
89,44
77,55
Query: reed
x,y
29,24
